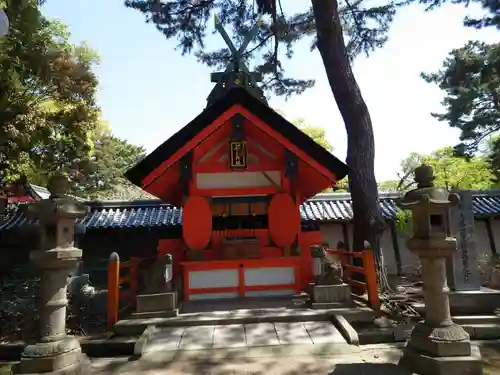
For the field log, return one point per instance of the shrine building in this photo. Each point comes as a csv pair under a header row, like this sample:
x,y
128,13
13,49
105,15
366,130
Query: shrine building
x,y
240,172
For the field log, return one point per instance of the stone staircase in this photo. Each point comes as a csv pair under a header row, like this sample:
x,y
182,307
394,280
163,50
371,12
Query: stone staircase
x,y
480,327
134,327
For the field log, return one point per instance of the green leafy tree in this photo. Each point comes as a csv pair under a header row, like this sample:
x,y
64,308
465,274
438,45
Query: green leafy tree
x,y
389,185
450,171
47,96
112,157
493,155
317,133
470,78
342,186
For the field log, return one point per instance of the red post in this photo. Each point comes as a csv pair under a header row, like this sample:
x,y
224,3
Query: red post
x,y
113,289
241,281
371,279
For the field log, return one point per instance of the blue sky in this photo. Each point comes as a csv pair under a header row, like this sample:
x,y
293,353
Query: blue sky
x,y
148,90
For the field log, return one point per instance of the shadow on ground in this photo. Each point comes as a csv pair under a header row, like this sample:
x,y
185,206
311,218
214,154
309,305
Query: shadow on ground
x,y
297,365
368,369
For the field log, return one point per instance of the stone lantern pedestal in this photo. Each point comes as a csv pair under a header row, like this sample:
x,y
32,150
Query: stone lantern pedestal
x,y
436,345
55,351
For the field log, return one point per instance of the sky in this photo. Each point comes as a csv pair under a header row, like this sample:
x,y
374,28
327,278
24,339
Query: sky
x,y
148,91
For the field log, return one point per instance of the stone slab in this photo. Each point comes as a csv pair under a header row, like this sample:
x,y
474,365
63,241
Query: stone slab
x,y
194,338
346,329
328,305
164,340
324,332
261,334
230,336
426,365
156,314
292,333
143,340
131,327
474,302
80,366
461,269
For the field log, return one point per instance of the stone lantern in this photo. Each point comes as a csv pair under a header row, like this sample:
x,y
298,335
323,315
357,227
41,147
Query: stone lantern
x,y
55,258
436,345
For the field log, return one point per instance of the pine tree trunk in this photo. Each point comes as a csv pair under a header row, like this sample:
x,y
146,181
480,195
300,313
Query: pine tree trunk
x,y
368,221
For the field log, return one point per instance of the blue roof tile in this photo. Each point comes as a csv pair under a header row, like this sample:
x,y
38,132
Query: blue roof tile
x,y
334,207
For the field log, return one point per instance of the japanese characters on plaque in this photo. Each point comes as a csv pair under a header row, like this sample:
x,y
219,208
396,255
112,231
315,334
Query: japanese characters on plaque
x,y
237,154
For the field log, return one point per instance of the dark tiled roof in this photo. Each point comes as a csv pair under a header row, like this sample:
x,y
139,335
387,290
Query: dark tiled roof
x,y
136,214
338,207
334,207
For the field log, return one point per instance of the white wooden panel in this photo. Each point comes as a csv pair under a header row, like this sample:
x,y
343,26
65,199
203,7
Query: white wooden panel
x,y
207,296
233,180
213,279
269,276
269,293
331,234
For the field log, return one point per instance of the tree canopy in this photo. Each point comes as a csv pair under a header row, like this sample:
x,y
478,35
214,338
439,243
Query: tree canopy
x,y
451,171
470,79
490,17
318,134
47,96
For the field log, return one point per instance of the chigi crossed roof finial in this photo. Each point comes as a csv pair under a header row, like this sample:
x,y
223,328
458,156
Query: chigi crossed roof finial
x,y
237,72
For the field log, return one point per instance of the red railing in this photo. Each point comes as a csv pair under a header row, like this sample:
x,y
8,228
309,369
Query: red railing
x,y
117,279
240,265
368,269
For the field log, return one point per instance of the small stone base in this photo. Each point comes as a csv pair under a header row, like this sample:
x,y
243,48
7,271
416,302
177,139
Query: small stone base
x,y
147,303
81,366
423,364
446,341
331,293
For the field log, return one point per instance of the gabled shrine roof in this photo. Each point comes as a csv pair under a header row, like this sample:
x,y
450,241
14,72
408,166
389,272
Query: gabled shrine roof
x,y
236,95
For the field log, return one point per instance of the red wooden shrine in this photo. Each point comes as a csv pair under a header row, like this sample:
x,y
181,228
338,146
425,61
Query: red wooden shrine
x,y
240,172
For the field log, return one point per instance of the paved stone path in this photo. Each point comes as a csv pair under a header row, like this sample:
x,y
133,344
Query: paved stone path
x,y
243,335
379,360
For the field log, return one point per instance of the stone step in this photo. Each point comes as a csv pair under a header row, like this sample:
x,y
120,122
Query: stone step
x,y
480,302
155,314
131,327
375,335
238,336
487,331
476,319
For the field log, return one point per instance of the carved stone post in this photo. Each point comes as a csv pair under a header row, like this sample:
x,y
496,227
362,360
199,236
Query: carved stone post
x,y
56,257
436,345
